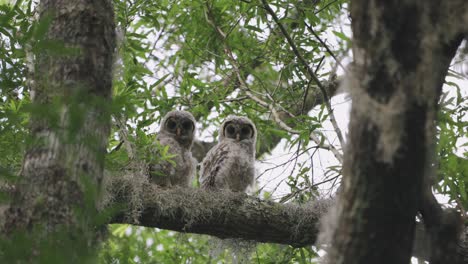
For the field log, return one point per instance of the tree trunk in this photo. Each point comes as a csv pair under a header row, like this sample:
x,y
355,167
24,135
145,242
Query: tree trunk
x,y
71,93
402,53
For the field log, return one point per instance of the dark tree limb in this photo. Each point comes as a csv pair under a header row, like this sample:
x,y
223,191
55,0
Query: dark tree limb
x,y
227,215
234,215
237,215
200,148
402,54
444,229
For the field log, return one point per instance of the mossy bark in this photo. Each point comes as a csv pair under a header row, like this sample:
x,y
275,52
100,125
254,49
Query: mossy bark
x,y
230,215
71,93
217,213
402,53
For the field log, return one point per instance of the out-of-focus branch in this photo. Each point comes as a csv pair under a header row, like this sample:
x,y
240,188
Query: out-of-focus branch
x,y
443,232
200,148
326,98
284,126
123,133
311,30
276,115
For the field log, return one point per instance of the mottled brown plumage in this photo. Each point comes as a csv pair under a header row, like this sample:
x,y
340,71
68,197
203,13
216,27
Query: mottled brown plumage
x,y
230,165
177,131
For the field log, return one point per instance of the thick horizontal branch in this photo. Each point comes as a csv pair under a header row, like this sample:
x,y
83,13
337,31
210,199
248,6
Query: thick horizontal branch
x,y
226,215
231,215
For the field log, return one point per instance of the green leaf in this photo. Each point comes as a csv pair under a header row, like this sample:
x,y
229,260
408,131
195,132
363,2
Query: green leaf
x,y
342,36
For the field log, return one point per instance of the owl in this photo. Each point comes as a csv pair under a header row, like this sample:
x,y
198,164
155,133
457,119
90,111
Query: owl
x,y
230,165
177,131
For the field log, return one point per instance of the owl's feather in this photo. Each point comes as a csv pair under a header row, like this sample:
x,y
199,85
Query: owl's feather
x,y
230,165
182,168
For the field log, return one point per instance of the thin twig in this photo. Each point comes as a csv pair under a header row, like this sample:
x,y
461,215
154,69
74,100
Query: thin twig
x,y
284,126
311,73
117,147
124,136
311,30
271,107
325,7
234,99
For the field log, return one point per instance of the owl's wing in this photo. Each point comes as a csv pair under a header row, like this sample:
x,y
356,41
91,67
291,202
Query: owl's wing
x,y
212,165
191,171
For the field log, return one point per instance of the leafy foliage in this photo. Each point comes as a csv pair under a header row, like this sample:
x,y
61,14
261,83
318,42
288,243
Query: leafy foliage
x,y
214,58
453,146
131,244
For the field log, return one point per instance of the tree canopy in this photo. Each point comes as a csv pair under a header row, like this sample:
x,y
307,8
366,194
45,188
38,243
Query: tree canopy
x,y
281,63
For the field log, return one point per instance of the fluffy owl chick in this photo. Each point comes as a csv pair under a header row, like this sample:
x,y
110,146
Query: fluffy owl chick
x,y
177,131
230,165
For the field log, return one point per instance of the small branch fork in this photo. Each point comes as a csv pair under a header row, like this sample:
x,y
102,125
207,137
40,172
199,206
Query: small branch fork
x,y
311,73
276,116
443,230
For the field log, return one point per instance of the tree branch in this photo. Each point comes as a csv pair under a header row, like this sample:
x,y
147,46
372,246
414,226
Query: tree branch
x,y
313,76
200,148
224,215
270,106
232,215
443,229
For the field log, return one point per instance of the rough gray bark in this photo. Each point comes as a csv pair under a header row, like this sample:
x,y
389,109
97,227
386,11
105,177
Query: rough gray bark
x,y
221,214
402,53
71,92
230,215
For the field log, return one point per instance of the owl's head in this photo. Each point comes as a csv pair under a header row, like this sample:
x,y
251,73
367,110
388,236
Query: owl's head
x,y
180,125
238,128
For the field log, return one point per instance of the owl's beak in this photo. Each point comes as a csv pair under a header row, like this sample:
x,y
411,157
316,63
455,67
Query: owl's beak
x,y
237,137
178,131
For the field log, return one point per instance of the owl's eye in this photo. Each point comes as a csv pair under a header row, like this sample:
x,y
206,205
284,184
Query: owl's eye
x,y
245,131
171,124
230,130
187,125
